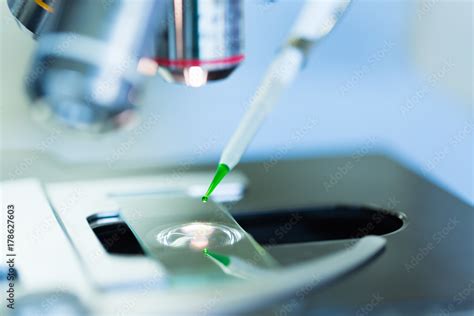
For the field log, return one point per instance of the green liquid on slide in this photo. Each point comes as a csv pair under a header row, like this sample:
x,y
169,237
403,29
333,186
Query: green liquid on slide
x,y
221,258
221,172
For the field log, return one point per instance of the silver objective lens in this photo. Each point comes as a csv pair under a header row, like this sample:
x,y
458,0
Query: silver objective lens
x,y
84,70
199,41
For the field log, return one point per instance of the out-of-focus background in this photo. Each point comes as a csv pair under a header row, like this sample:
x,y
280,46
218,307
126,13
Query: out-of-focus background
x,y
393,77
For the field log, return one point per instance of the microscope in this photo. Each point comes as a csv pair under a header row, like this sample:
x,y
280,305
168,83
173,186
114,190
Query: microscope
x,y
92,55
101,241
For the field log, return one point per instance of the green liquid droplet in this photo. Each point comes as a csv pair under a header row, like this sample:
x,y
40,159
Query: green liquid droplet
x,y
221,172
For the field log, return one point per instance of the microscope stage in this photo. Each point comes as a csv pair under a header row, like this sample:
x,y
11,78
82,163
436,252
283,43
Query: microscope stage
x,y
74,244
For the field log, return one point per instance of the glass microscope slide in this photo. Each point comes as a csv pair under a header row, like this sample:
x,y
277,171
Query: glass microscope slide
x,y
175,230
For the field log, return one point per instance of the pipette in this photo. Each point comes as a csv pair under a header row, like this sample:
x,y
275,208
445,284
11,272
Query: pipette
x,y
316,20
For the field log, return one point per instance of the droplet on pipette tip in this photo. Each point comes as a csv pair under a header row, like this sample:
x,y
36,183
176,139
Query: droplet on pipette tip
x,y
221,172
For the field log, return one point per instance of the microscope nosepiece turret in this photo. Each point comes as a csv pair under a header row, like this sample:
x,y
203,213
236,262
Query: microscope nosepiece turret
x,y
86,68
